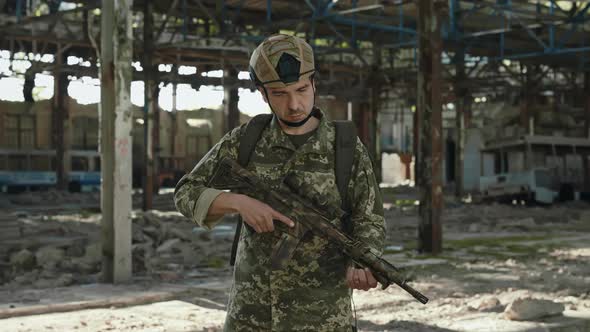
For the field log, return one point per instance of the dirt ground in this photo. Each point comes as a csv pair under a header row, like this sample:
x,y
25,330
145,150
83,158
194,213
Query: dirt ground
x,y
493,255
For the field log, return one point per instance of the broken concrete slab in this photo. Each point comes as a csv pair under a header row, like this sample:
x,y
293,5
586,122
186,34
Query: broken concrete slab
x,y
571,321
487,304
23,260
93,253
168,245
531,309
49,257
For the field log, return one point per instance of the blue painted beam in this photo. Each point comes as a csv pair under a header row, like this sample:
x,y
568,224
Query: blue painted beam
x,y
538,54
19,10
329,6
412,43
453,5
238,10
184,21
552,26
401,22
376,26
310,5
354,24
474,9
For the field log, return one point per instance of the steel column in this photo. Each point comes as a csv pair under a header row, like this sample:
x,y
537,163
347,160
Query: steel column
x,y
430,122
230,99
374,129
587,103
526,101
115,138
585,156
148,107
460,96
59,116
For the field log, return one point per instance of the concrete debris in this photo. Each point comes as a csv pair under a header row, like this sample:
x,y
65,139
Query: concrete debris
x,y
75,250
489,304
61,281
532,309
168,245
474,228
23,260
93,253
49,257
60,250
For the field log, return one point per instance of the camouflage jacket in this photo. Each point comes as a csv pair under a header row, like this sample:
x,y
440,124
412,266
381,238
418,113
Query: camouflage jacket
x,y
310,293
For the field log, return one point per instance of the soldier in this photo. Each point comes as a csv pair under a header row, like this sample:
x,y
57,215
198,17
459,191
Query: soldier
x,y
312,291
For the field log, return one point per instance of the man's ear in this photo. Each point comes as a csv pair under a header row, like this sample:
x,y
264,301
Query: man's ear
x,y
263,94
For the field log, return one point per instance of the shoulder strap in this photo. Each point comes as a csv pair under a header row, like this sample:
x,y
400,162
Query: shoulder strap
x,y
344,157
248,141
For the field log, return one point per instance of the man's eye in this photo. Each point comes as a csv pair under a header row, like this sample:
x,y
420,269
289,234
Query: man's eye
x,y
302,90
278,94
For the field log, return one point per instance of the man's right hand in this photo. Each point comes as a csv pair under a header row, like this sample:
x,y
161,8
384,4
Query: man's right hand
x,y
259,215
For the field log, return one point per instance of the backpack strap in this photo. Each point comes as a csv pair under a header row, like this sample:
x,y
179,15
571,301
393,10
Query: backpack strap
x,y
248,141
344,158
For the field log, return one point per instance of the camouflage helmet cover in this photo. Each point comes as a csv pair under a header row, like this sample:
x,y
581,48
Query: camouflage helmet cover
x,y
281,60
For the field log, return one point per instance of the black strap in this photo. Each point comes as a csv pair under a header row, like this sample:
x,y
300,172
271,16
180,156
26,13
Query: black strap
x,y
344,157
248,141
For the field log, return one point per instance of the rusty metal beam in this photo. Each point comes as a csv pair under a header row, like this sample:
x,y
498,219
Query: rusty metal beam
x,y
362,117
377,82
526,101
429,111
172,7
460,93
587,103
230,99
115,139
148,117
59,115
585,157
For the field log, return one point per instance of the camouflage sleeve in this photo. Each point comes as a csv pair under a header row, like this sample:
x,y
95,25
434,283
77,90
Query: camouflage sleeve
x,y
367,207
191,196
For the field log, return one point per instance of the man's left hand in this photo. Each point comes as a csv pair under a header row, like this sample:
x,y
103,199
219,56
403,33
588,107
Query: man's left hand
x,y
360,279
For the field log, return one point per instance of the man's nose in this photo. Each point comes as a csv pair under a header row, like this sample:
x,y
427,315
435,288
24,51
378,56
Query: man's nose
x,y
293,102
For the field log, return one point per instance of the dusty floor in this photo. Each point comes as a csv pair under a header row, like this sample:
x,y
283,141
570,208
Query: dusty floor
x,y
493,254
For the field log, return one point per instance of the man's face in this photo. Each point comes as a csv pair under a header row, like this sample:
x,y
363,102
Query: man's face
x,y
292,103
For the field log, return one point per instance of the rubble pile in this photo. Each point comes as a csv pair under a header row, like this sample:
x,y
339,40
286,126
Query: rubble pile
x,y
51,198
54,200
166,241
402,219
60,250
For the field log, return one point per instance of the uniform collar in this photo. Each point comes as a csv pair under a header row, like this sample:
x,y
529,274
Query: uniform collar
x,y
317,143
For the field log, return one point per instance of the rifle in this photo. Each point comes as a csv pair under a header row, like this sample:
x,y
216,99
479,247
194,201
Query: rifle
x,y
230,175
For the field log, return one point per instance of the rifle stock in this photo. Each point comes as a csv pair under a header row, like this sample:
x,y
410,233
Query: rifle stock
x,y
230,175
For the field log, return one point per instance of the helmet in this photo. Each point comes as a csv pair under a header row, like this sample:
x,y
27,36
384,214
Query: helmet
x,y
281,60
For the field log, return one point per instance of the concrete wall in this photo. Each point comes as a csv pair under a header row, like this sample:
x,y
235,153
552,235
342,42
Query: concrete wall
x,y
472,159
394,171
397,133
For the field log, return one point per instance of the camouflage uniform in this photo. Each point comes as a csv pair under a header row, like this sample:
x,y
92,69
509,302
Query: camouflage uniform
x,y
310,293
